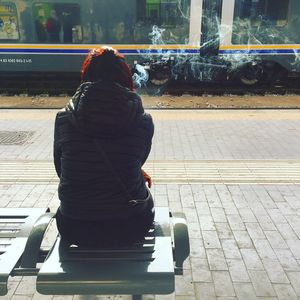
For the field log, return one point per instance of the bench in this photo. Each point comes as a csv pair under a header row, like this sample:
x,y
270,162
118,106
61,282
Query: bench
x,y
146,267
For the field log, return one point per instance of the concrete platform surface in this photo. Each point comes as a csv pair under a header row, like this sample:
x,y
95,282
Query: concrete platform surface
x,y
235,174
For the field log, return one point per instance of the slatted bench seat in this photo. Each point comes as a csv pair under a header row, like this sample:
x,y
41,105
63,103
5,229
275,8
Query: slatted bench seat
x,y
16,225
147,267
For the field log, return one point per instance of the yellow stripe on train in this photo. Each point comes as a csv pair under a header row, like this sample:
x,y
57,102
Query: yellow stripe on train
x,y
90,46
254,47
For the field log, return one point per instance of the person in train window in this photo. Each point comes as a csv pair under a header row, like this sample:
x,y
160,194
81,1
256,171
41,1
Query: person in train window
x,y
101,141
1,24
68,24
53,27
40,30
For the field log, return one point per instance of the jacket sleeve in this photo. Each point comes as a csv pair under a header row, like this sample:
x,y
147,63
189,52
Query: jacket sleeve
x,y
149,129
57,148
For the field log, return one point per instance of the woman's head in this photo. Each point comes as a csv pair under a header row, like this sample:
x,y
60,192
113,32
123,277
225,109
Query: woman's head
x,y
108,64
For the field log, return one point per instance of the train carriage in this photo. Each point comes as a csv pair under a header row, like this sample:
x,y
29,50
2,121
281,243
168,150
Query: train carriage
x,y
249,38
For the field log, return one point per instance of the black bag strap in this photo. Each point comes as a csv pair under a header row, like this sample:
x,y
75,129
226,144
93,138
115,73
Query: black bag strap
x,y
109,164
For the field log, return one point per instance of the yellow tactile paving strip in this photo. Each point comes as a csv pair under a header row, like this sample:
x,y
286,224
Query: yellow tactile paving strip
x,y
181,172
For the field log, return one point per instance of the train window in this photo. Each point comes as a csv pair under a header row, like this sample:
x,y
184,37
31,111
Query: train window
x,y
57,22
9,27
260,21
132,21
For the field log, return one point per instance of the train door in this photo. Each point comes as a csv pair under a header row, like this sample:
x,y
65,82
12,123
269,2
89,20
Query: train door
x,y
210,27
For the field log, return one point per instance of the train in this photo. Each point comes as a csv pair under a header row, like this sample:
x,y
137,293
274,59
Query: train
x,y
249,41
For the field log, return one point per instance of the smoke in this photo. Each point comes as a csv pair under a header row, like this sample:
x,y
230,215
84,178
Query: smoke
x,y
156,35
140,76
210,66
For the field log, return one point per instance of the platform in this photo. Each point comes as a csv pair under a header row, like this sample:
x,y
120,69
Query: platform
x,y
235,174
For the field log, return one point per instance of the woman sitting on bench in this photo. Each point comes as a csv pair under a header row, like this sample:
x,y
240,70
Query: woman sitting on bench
x,y
102,139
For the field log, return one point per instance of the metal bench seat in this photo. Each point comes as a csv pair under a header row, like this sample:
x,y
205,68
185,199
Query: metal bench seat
x,y
146,267
16,225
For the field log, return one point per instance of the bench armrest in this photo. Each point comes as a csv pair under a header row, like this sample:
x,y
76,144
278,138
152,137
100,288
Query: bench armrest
x,y
181,241
33,245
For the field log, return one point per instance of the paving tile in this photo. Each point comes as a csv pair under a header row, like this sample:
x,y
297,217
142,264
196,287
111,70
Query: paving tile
x,y
184,284
213,200
243,239
244,291
200,270
235,222
218,214
276,196
224,231
11,286
293,201
264,249
211,239
223,284
294,246
160,200
252,259
206,222
255,231
285,208
276,216
275,271
92,297
240,202
247,215
186,196
205,291
197,248
285,291
276,240
230,208
26,287
294,278
183,297
230,249
202,208
169,297
266,222
194,230
38,296
191,215
286,231
198,193
216,259
237,270
261,283
287,260
21,297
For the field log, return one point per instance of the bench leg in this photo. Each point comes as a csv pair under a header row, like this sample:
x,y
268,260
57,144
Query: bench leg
x,y
137,297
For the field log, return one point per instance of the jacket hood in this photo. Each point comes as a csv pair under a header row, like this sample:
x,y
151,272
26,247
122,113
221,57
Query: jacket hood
x,y
104,108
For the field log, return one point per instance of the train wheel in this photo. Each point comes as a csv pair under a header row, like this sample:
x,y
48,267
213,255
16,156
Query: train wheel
x,y
155,89
251,74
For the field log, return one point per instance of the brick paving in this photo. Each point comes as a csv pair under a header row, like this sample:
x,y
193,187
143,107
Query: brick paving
x,y
245,239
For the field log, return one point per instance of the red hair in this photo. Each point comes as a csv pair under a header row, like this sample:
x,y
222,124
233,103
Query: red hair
x,y
108,64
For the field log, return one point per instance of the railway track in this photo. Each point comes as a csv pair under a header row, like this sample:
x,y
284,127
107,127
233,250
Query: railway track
x,y
67,85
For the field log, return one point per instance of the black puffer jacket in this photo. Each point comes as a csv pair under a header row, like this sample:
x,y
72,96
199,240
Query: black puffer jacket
x,y
101,141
